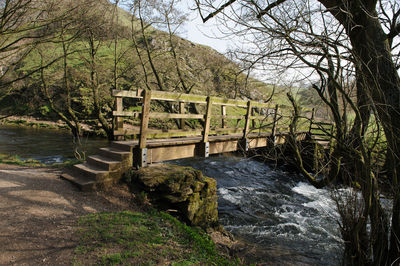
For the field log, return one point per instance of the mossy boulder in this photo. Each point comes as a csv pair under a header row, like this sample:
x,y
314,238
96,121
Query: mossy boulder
x,y
179,188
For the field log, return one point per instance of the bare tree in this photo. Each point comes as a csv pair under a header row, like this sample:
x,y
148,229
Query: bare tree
x,y
60,90
361,33
24,24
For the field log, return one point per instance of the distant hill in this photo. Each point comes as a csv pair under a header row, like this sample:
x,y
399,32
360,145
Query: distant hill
x,y
94,51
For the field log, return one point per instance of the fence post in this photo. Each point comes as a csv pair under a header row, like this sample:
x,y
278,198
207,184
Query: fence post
x,y
204,147
311,120
274,124
223,112
246,130
248,118
144,124
253,121
119,121
182,111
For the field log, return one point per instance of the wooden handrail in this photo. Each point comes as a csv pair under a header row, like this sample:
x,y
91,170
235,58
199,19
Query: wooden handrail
x,y
252,117
192,98
257,125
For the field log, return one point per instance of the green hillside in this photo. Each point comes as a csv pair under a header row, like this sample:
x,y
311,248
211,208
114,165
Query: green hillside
x,y
100,48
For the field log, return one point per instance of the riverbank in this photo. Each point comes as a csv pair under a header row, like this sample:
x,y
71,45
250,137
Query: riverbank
x,y
46,146
16,160
32,199
257,203
30,121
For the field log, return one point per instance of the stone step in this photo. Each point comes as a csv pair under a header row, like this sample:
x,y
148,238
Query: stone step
x,y
100,171
82,182
115,154
124,145
104,163
89,171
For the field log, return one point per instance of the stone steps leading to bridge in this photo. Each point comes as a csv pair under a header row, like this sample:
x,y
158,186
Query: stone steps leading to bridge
x,y
82,182
104,163
115,154
124,145
99,171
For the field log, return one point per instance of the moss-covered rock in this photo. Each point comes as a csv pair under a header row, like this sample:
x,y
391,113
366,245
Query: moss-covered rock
x,y
184,189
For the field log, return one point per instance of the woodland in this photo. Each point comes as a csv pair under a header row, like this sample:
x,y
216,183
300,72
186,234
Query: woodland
x,y
62,59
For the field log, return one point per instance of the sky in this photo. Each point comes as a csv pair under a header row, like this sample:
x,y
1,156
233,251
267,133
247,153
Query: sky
x,y
202,33
198,32
208,34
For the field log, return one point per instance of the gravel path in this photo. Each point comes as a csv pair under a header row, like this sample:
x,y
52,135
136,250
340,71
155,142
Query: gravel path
x,y
39,213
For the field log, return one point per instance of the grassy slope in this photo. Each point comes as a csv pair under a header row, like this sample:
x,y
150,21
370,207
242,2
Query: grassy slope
x,y
206,71
135,238
203,68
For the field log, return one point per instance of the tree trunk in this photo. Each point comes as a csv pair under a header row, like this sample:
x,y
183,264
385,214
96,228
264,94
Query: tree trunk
x,y
94,83
374,62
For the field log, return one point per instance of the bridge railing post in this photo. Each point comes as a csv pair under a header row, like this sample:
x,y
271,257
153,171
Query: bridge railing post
x,y
248,119
309,134
144,124
311,120
253,121
182,111
223,113
274,124
246,129
119,121
204,147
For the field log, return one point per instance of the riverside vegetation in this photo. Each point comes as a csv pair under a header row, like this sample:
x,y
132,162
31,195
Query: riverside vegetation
x,y
61,60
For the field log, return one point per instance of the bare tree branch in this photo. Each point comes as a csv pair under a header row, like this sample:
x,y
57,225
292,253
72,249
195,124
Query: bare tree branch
x,y
212,14
269,7
393,33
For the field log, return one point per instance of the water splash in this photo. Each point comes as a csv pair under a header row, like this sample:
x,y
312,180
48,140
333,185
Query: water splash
x,y
271,207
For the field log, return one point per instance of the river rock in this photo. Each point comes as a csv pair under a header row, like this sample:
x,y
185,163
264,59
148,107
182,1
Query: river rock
x,y
180,188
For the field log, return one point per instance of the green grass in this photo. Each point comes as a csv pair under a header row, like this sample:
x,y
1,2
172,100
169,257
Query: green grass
x,y
135,238
16,160
34,124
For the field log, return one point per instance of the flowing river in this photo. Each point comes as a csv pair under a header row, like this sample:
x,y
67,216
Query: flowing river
x,y
45,145
290,221
286,220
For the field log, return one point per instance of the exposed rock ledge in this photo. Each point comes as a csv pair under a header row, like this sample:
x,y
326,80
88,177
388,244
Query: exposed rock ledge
x,y
183,189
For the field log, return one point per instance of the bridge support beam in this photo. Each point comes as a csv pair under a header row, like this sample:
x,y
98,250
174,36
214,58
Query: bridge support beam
x,y
244,144
271,140
204,149
140,157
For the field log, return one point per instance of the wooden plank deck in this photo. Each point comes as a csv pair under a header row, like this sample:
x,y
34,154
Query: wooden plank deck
x,y
190,140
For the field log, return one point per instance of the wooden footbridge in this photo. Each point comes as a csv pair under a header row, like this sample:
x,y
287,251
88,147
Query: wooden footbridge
x,y
195,125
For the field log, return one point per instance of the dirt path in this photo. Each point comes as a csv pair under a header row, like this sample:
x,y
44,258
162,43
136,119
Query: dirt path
x,y
39,212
